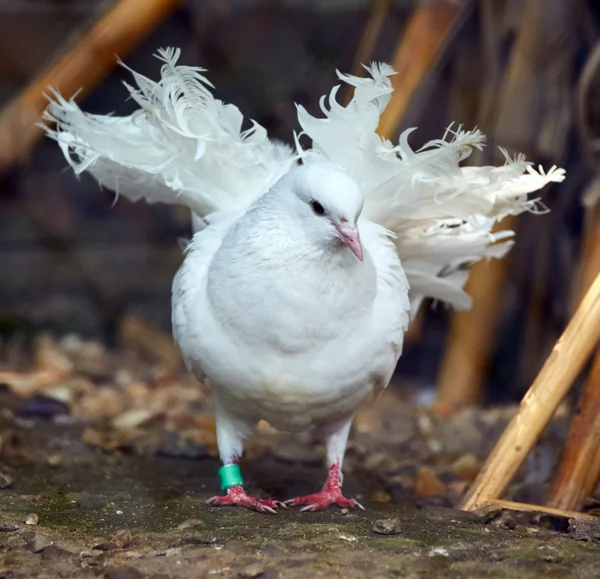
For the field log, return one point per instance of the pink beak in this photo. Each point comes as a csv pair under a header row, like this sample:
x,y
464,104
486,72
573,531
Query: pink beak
x,y
350,236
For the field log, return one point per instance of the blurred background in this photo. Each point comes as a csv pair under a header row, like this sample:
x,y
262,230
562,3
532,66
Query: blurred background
x,y
527,72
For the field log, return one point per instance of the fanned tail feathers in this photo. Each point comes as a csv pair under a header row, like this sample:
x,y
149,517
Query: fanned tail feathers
x,y
182,146
440,213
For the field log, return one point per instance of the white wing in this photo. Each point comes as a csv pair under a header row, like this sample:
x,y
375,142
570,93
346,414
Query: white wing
x,y
182,146
442,214
191,278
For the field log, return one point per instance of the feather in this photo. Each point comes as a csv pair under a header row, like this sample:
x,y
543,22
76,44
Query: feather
x,y
440,213
182,146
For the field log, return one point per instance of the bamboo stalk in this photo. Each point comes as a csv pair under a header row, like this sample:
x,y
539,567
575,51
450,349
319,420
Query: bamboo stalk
x,y
469,349
421,44
84,64
563,365
579,468
471,336
379,9
422,41
415,328
375,21
527,508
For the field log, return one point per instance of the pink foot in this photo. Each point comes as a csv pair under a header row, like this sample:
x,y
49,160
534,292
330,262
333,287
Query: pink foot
x,y
331,494
237,497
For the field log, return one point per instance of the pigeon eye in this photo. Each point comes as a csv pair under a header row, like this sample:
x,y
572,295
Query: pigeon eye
x,y
317,208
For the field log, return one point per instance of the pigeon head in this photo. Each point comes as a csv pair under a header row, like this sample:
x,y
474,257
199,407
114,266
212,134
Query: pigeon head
x,y
328,201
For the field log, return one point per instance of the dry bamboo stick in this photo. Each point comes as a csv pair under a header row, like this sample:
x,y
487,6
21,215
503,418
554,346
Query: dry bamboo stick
x,y
420,46
527,508
563,365
375,21
469,348
85,64
416,325
471,336
422,41
579,468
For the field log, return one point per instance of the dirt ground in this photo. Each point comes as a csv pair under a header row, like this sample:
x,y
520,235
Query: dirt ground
x,y
121,516
107,460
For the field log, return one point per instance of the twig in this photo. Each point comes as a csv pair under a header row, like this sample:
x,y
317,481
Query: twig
x,y
469,350
579,467
375,21
422,43
471,337
563,365
527,508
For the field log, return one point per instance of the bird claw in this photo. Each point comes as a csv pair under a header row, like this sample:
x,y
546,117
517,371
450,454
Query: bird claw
x,y
237,497
322,500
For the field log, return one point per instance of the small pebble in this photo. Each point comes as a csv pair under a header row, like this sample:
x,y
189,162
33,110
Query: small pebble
x,y
54,553
189,523
38,543
380,496
428,484
439,551
122,539
199,539
90,554
5,481
104,547
505,520
32,519
251,571
466,467
387,526
8,527
54,460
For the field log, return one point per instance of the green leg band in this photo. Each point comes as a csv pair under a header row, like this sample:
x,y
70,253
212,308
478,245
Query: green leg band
x,y
230,475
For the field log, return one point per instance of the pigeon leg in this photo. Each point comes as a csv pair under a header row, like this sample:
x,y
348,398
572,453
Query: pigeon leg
x,y
230,437
331,493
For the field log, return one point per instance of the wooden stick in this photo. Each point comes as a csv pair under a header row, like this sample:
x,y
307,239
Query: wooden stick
x,y
415,327
469,349
379,9
85,64
420,46
422,42
362,57
565,362
527,508
579,468
470,341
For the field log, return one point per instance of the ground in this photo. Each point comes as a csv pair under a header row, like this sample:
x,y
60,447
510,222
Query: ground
x,y
107,460
125,517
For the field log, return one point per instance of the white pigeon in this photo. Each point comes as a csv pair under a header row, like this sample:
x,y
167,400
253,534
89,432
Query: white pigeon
x,y
294,293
